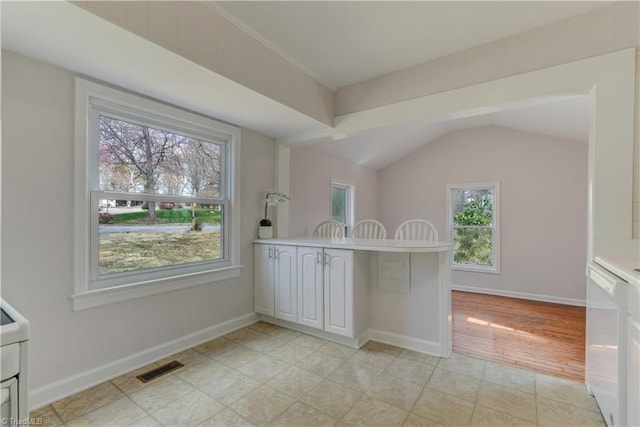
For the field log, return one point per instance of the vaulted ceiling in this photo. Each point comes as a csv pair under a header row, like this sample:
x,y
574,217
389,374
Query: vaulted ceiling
x,y
341,43
337,43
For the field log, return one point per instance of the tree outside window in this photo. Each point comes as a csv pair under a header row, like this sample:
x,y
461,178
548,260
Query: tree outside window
x,y
134,158
473,226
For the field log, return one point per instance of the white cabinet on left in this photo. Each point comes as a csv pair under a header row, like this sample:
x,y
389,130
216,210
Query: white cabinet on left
x,y
275,281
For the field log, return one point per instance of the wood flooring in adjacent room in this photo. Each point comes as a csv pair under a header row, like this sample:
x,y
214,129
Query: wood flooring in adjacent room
x,y
540,336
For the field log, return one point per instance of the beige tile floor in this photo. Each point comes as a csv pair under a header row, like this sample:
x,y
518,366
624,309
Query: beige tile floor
x,y
267,375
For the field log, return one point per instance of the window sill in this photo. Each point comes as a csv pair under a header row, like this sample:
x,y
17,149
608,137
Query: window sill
x,y
476,269
98,297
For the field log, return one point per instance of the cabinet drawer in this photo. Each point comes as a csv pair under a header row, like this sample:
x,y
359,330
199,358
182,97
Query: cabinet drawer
x,y
10,359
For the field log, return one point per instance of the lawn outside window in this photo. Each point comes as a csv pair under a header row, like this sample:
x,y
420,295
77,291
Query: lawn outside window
x,y
155,199
473,226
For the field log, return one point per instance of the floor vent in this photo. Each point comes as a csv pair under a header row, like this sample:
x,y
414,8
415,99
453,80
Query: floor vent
x,y
159,371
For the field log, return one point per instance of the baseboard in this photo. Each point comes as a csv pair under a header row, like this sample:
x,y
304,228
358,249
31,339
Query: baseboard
x,y
521,295
349,342
415,344
49,393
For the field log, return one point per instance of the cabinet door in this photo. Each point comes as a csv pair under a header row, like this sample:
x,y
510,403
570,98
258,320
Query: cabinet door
x,y
338,292
633,372
310,305
263,279
285,282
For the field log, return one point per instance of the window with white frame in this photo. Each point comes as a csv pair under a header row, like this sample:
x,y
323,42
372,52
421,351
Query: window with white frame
x,y
156,197
342,195
474,227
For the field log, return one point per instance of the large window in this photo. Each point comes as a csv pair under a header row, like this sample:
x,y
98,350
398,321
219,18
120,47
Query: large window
x,y
473,226
155,197
342,204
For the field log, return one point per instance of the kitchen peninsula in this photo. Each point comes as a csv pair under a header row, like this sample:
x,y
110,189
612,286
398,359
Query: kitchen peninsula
x,y
354,290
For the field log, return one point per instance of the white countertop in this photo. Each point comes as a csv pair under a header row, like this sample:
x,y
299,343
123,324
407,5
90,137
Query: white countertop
x,y
621,258
16,331
379,245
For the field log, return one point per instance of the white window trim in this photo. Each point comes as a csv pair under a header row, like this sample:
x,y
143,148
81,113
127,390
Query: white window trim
x,y
495,268
85,296
351,208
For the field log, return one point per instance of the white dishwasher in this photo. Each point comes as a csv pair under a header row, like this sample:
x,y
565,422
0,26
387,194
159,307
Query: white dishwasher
x,y
14,339
633,358
605,356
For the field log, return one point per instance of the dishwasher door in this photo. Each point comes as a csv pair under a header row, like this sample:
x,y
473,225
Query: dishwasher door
x,y
605,348
9,407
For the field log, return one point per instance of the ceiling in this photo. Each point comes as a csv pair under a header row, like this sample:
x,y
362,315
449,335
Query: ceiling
x,y
337,42
345,42
567,118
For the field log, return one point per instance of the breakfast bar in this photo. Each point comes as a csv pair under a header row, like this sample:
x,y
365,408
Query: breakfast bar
x,y
354,290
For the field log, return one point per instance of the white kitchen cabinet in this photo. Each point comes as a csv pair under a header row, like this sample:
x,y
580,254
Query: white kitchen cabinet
x,y
633,372
264,280
284,258
310,287
337,295
274,281
338,292
326,289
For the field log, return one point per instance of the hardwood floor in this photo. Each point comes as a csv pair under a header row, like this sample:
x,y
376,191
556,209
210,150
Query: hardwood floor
x,y
544,337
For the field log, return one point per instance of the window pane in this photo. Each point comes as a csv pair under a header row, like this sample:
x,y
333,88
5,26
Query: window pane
x,y
128,240
339,204
473,220
140,159
473,206
473,246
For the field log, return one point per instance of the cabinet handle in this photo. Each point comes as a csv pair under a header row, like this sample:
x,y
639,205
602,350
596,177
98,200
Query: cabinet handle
x,y
270,252
319,257
276,254
326,258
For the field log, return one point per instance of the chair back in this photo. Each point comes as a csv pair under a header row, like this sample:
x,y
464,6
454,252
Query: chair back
x,y
369,229
417,229
329,229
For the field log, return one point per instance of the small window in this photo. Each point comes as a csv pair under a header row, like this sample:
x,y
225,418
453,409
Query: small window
x,y
473,227
156,197
342,204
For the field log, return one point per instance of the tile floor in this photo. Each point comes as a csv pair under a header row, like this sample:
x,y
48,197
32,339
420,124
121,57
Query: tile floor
x,y
267,375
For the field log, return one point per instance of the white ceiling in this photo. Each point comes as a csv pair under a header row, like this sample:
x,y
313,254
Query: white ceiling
x,y
345,42
336,41
567,119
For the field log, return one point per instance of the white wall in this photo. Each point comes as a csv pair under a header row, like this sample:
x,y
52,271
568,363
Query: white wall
x,y
543,205
37,270
310,184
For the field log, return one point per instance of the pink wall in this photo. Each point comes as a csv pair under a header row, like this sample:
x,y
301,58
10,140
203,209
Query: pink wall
x,y
543,205
310,184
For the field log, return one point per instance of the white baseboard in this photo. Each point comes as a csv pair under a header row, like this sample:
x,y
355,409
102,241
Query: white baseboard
x,y
415,344
52,392
521,295
349,342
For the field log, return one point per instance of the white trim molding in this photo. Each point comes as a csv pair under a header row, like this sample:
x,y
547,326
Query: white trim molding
x,y
49,393
521,295
92,290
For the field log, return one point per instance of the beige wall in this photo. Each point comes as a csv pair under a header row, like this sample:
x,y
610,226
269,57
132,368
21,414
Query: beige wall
x,y
543,208
310,182
37,263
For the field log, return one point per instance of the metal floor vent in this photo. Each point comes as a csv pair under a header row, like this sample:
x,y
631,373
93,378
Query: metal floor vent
x,y
159,371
